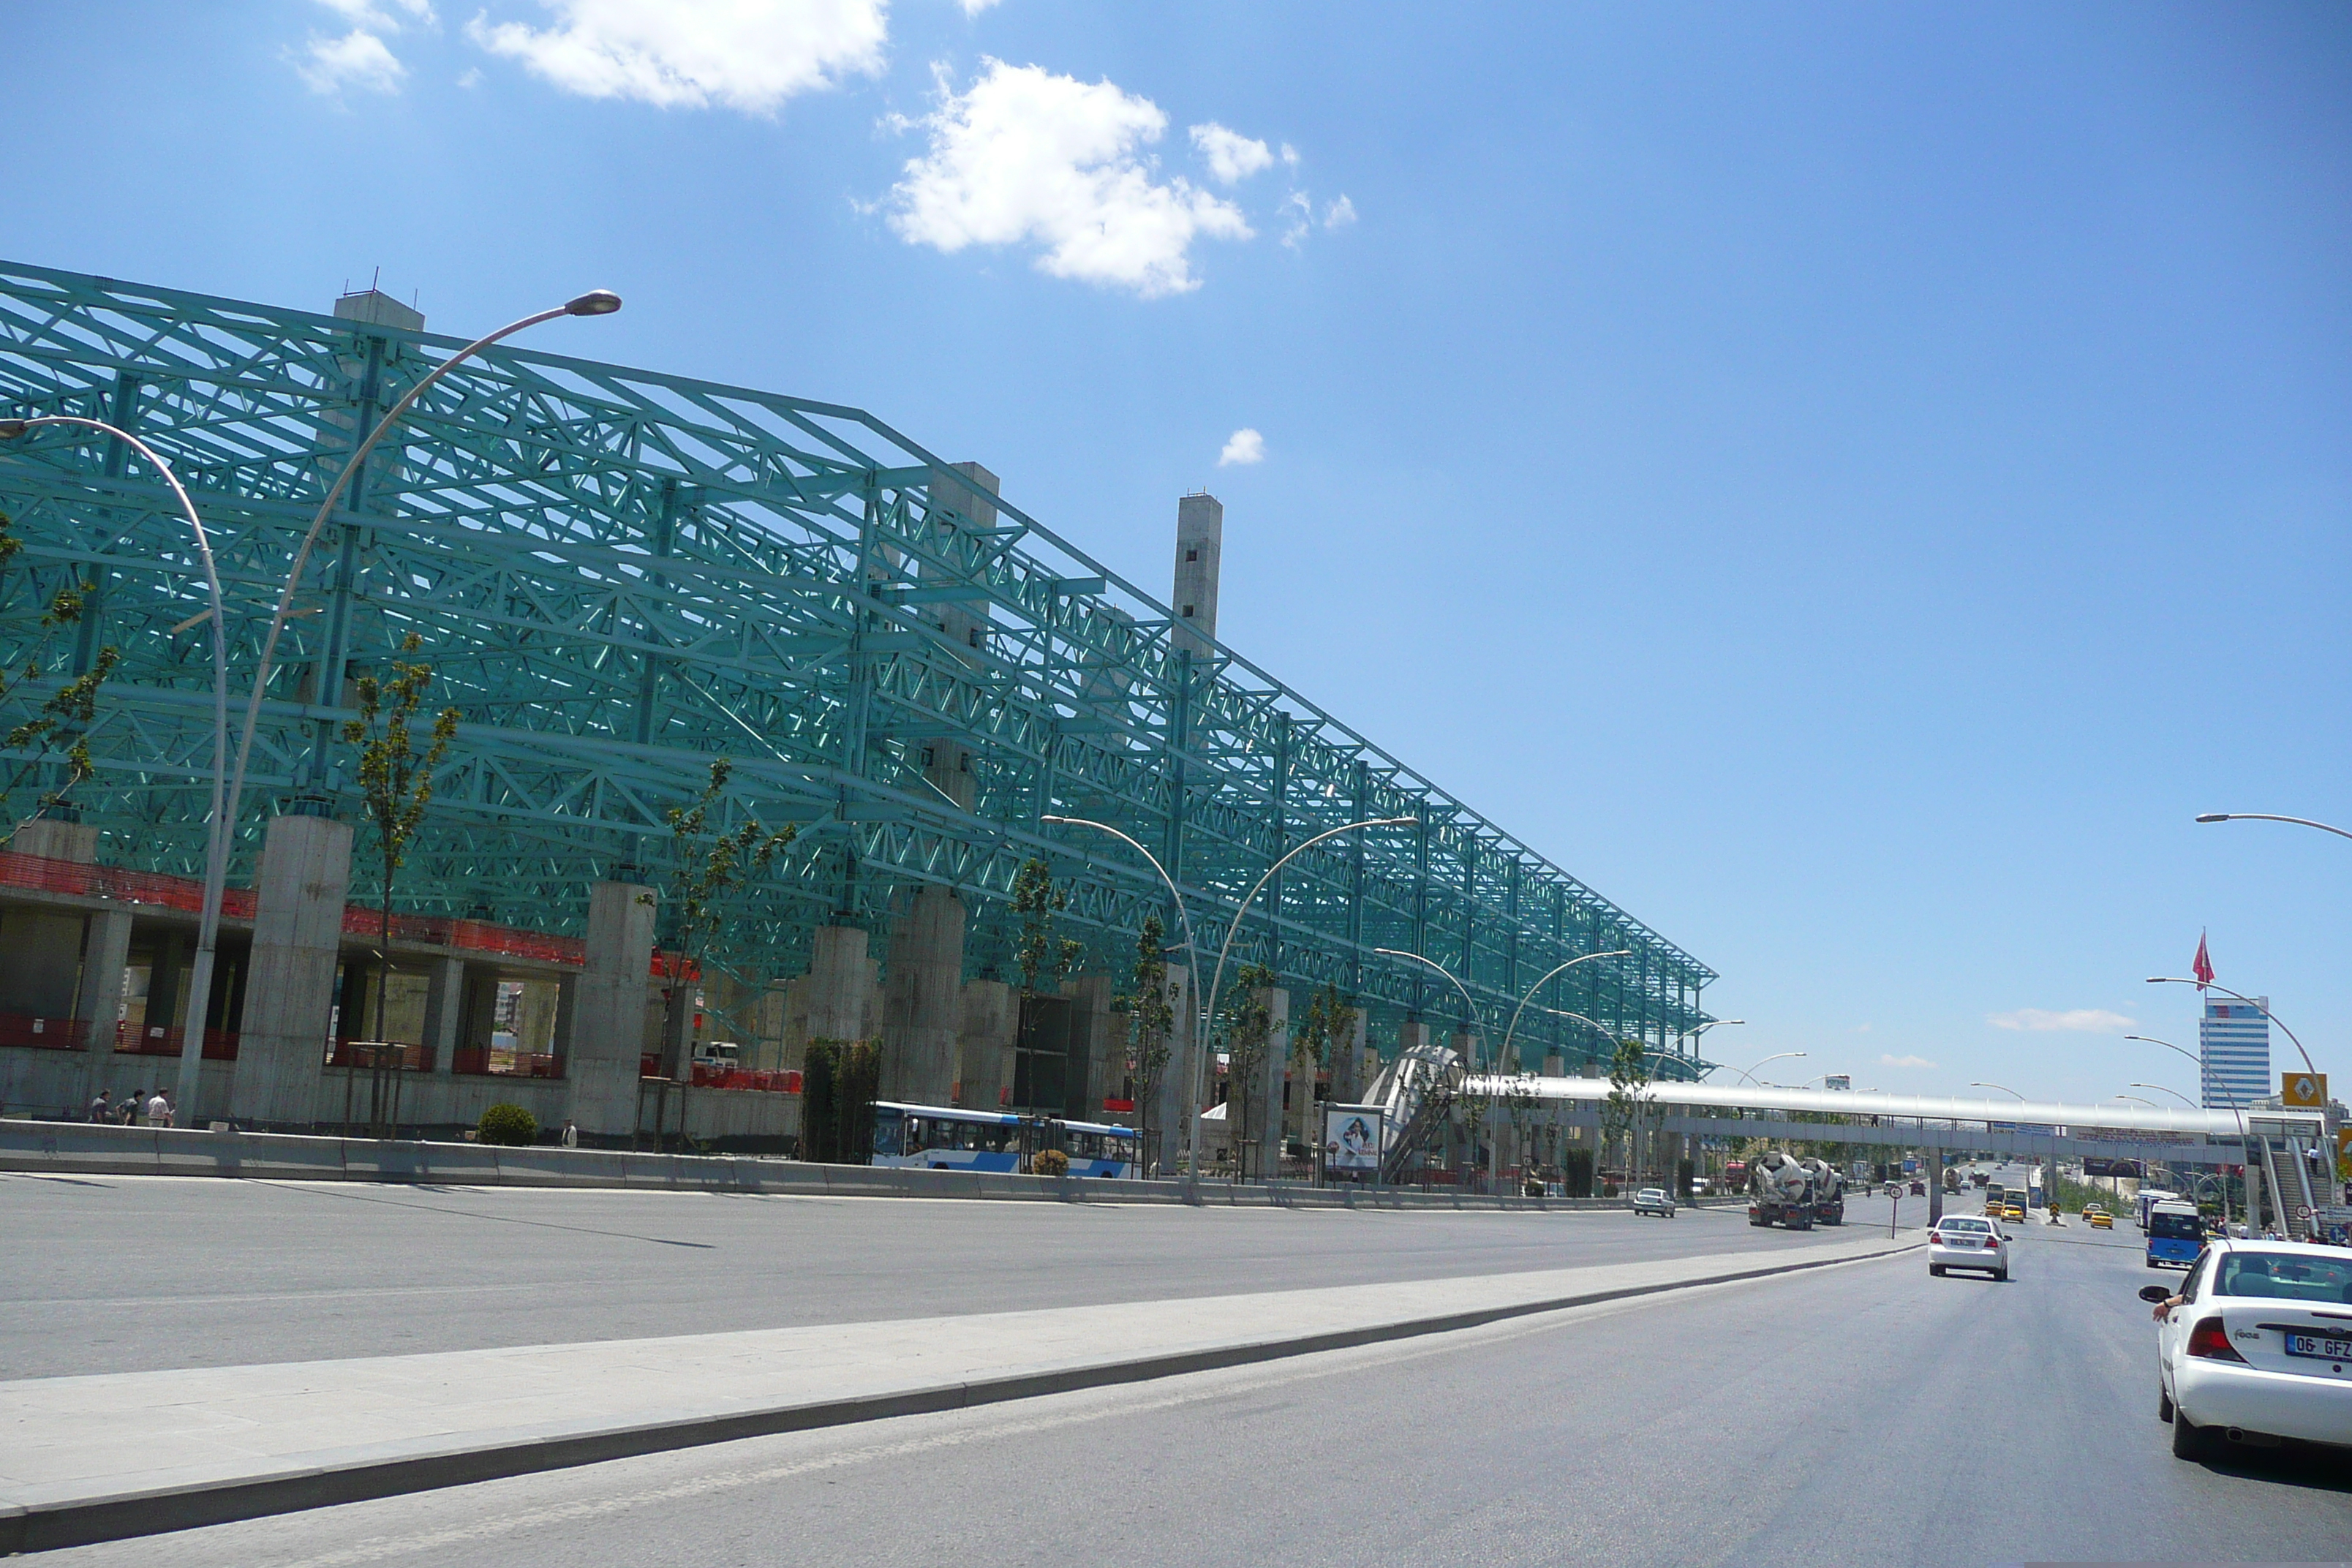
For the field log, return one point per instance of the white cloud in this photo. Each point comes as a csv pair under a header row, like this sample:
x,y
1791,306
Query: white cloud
x,y
1892,1061
1297,215
471,77
1232,157
1339,214
975,7
357,59
1289,155
749,55
2074,1021
1242,447
368,17
1025,155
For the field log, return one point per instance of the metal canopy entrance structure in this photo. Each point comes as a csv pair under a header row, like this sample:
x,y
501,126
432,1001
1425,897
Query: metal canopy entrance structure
x,y
619,576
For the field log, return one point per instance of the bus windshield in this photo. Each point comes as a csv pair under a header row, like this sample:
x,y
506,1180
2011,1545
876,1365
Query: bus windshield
x,y
2175,1227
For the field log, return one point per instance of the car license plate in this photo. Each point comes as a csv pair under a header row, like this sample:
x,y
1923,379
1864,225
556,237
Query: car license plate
x,y
2313,1345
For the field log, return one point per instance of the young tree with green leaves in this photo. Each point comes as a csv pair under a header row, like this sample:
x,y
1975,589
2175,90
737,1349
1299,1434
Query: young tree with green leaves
x,y
395,778
1621,1113
1043,954
706,869
1150,1023
1248,1030
67,713
1320,1034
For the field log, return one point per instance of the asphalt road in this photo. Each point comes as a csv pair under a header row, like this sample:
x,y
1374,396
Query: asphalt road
x,y
131,1274
1860,1414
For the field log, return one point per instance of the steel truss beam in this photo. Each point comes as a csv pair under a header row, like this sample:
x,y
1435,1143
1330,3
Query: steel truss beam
x,y
621,575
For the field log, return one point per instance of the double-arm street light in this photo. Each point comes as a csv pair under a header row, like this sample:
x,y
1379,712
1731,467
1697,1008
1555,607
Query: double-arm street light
x,y
217,823
1207,1004
2002,1086
227,797
2161,1090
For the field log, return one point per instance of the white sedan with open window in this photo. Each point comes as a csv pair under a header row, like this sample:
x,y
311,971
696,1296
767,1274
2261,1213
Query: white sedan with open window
x,y
1968,1241
2256,1347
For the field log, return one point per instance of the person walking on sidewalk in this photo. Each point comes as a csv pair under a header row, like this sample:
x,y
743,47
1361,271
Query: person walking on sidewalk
x,y
158,1110
126,1109
102,1107
571,1138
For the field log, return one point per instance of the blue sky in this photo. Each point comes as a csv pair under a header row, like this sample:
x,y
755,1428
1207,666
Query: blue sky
x,y
1849,482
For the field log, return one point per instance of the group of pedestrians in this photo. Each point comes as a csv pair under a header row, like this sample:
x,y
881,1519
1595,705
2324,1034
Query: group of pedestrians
x,y
133,1108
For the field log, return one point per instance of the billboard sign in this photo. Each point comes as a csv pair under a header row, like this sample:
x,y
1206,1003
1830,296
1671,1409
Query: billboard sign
x,y
1352,1138
2303,1090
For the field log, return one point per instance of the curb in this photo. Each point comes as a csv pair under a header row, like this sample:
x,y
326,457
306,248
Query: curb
x,y
127,1515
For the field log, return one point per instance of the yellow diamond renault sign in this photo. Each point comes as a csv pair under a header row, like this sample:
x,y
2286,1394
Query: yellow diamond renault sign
x,y
2305,1090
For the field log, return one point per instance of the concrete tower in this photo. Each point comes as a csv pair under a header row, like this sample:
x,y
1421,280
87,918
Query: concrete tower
x,y
1200,541
971,489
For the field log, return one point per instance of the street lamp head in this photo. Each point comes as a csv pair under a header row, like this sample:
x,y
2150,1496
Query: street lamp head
x,y
595,303
2213,816
12,428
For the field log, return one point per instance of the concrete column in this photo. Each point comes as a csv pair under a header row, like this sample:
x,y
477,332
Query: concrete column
x,y
922,1001
841,1001
1097,1058
989,1021
1935,1185
445,1005
971,489
765,1050
105,963
608,1035
1348,1080
567,1012
54,840
1265,1116
289,993
1200,543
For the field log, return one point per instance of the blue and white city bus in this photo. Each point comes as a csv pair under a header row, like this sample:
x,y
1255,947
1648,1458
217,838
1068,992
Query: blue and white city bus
x,y
954,1137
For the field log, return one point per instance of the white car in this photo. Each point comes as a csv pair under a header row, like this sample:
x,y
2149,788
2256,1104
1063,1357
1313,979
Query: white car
x,y
1968,1241
2257,1346
1654,1200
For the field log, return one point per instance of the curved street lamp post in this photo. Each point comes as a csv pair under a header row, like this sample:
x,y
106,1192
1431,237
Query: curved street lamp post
x,y
2260,1007
192,1040
2240,1111
228,799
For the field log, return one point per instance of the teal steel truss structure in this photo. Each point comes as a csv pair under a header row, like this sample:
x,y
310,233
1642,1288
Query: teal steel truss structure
x,y
619,576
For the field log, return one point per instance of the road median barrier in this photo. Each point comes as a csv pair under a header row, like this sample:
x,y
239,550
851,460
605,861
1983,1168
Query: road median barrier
x,y
82,1148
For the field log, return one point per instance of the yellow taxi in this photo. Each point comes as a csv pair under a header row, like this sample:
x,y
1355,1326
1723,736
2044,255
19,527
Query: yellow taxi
x,y
2099,1218
2014,1212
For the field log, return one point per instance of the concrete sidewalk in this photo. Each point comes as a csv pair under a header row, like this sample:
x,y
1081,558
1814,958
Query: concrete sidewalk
x,y
99,1457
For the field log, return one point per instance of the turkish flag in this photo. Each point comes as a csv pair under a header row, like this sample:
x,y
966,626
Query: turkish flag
x,y
2203,968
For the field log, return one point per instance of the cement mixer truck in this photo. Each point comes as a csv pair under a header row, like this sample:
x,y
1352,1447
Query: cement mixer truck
x,y
1829,1192
1780,1190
